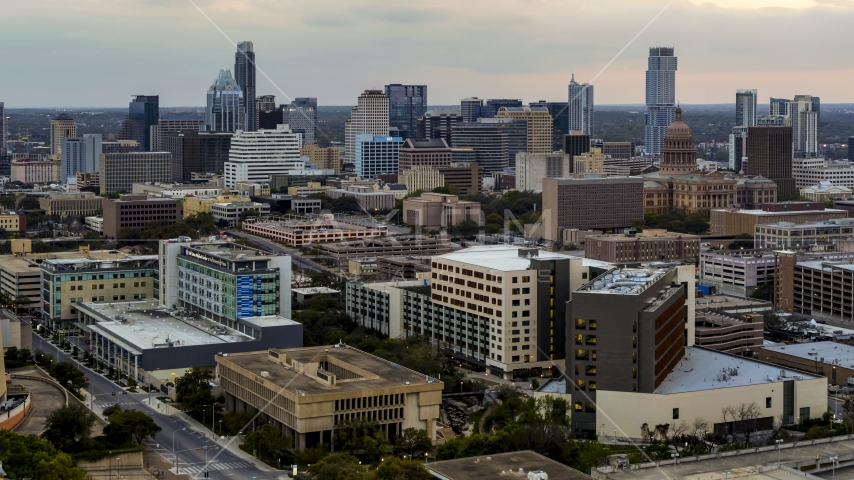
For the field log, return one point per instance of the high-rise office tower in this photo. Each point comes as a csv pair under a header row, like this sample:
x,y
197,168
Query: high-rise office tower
x,y
851,149
406,104
493,105
438,124
61,127
777,106
3,130
769,153
575,144
560,120
301,115
143,113
580,107
244,73
369,116
254,156
745,108
265,104
225,110
737,147
815,105
80,155
539,125
804,124
197,152
660,97
470,109
495,141
174,123
377,155
119,171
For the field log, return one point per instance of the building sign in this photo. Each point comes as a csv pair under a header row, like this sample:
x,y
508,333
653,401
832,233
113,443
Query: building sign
x,y
206,258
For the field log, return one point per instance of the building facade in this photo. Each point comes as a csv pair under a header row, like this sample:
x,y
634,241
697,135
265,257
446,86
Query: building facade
x,y
34,172
736,222
324,230
137,211
532,168
433,211
226,105
255,156
143,113
791,236
369,199
769,153
580,108
433,152
438,124
407,103
660,97
197,152
79,155
323,158
650,245
61,127
228,213
377,155
539,126
244,74
495,141
78,204
301,116
369,117
119,171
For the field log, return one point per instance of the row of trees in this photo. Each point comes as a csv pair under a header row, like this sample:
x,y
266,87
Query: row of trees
x,y
69,429
676,220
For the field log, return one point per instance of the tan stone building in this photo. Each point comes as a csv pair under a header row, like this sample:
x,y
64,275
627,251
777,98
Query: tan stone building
x,y
467,176
61,127
539,122
309,392
648,245
825,190
137,211
323,158
735,222
71,204
34,172
421,177
433,211
13,222
434,152
589,162
299,233
196,205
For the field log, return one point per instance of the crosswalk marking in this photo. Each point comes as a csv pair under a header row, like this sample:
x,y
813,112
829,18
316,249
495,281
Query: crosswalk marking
x,y
216,466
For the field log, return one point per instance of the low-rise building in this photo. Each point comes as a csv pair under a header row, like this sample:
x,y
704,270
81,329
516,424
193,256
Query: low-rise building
x,y
379,306
289,204
13,222
137,211
429,151
820,288
834,361
532,168
368,198
312,188
736,222
467,176
176,189
433,211
315,389
194,205
825,190
407,245
71,204
20,277
323,158
525,464
322,229
230,212
820,235
301,295
34,172
362,267
88,179
589,162
644,246
94,224
731,333
402,267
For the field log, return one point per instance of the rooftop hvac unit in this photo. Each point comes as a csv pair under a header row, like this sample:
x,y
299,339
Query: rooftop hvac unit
x,y
265,374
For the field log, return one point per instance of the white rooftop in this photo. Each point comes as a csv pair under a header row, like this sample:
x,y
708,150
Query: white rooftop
x,y
498,257
832,352
314,290
702,369
553,385
820,264
763,212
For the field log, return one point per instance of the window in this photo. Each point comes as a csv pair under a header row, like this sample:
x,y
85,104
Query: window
x,y
578,406
122,285
589,407
515,291
634,326
590,370
580,384
592,324
579,339
515,303
591,385
527,301
675,414
115,297
515,358
73,288
580,323
767,402
94,299
634,357
526,279
515,280
136,284
526,323
526,313
526,290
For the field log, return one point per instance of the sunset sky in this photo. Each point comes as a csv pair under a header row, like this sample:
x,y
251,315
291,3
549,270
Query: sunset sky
x,y
97,53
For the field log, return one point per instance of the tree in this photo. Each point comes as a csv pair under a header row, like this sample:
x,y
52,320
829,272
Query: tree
x,y
28,456
114,408
742,241
339,466
248,213
467,228
589,455
269,442
447,190
131,425
69,376
193,389
68,425
412,440
8,201
397,469
29,203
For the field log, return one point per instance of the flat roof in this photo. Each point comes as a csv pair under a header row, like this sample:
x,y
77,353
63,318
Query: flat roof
x,y
499,257
625,281
553,385
386,286
231,251
839,222
716,301
512,465
20,265
824,265
832,352
314,290
384,374
701,369
764,213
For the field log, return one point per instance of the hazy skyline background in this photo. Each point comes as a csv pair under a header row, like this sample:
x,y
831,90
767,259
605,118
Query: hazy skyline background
x,y
97,53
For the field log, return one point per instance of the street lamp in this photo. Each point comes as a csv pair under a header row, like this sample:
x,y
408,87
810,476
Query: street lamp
x,y
173,449
834,459
778,442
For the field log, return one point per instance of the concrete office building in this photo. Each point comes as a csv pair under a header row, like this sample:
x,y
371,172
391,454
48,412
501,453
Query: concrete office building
x,y
830,360
580,109
825,191
560,120
194,205
820,235
736,222
591,202
323,229
4,129
376,156
244,74
79,204
226,105
313,390
810,171
770,155
532,168
429,152
143,113
119,171
137,211
818,288
120,146
255,156
467,176
407,103
539,126
379,306
745,107
660,97
13,222
589,162
369,117
301,116
650,245
470,109
228,213
323,158
61,127
20,277
197,152
368,198
93,277
173,124
34,172
496,141
438,124
80,155
433,211
421,177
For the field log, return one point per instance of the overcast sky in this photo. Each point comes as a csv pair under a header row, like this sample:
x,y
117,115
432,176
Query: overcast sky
x,y
80,53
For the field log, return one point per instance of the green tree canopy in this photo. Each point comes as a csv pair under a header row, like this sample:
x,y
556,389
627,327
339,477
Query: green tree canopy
x,y
69,376
413,440
29,203
743,241
32,457
193,389
131,425
397,469
338,466
68,425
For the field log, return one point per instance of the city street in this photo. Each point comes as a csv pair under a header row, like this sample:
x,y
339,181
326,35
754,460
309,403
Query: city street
x,y
188,435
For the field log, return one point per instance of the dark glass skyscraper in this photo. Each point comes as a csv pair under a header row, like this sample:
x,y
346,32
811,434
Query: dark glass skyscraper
x,y
143,113
244,73
491,108
406,104
560,120
496,141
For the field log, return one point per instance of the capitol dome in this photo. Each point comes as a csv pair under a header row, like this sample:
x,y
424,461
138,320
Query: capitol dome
x,y
679,131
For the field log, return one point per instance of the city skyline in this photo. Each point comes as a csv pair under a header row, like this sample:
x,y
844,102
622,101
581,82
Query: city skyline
x,y
335,43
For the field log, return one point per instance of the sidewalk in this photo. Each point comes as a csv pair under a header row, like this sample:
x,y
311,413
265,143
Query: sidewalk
x,y
524,385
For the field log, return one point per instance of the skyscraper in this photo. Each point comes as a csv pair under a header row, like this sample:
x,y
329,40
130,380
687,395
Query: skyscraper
x,y
769,154
815,105
3,130
369,116
804,122
470,109
264,104
61,127
580,107
143,113
406,104
737,147
301,115
254,156
438,124
660,97
225,110
493,105
244,73
377,155
539,127
80,155
496,141
777,106
560,120
745,108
